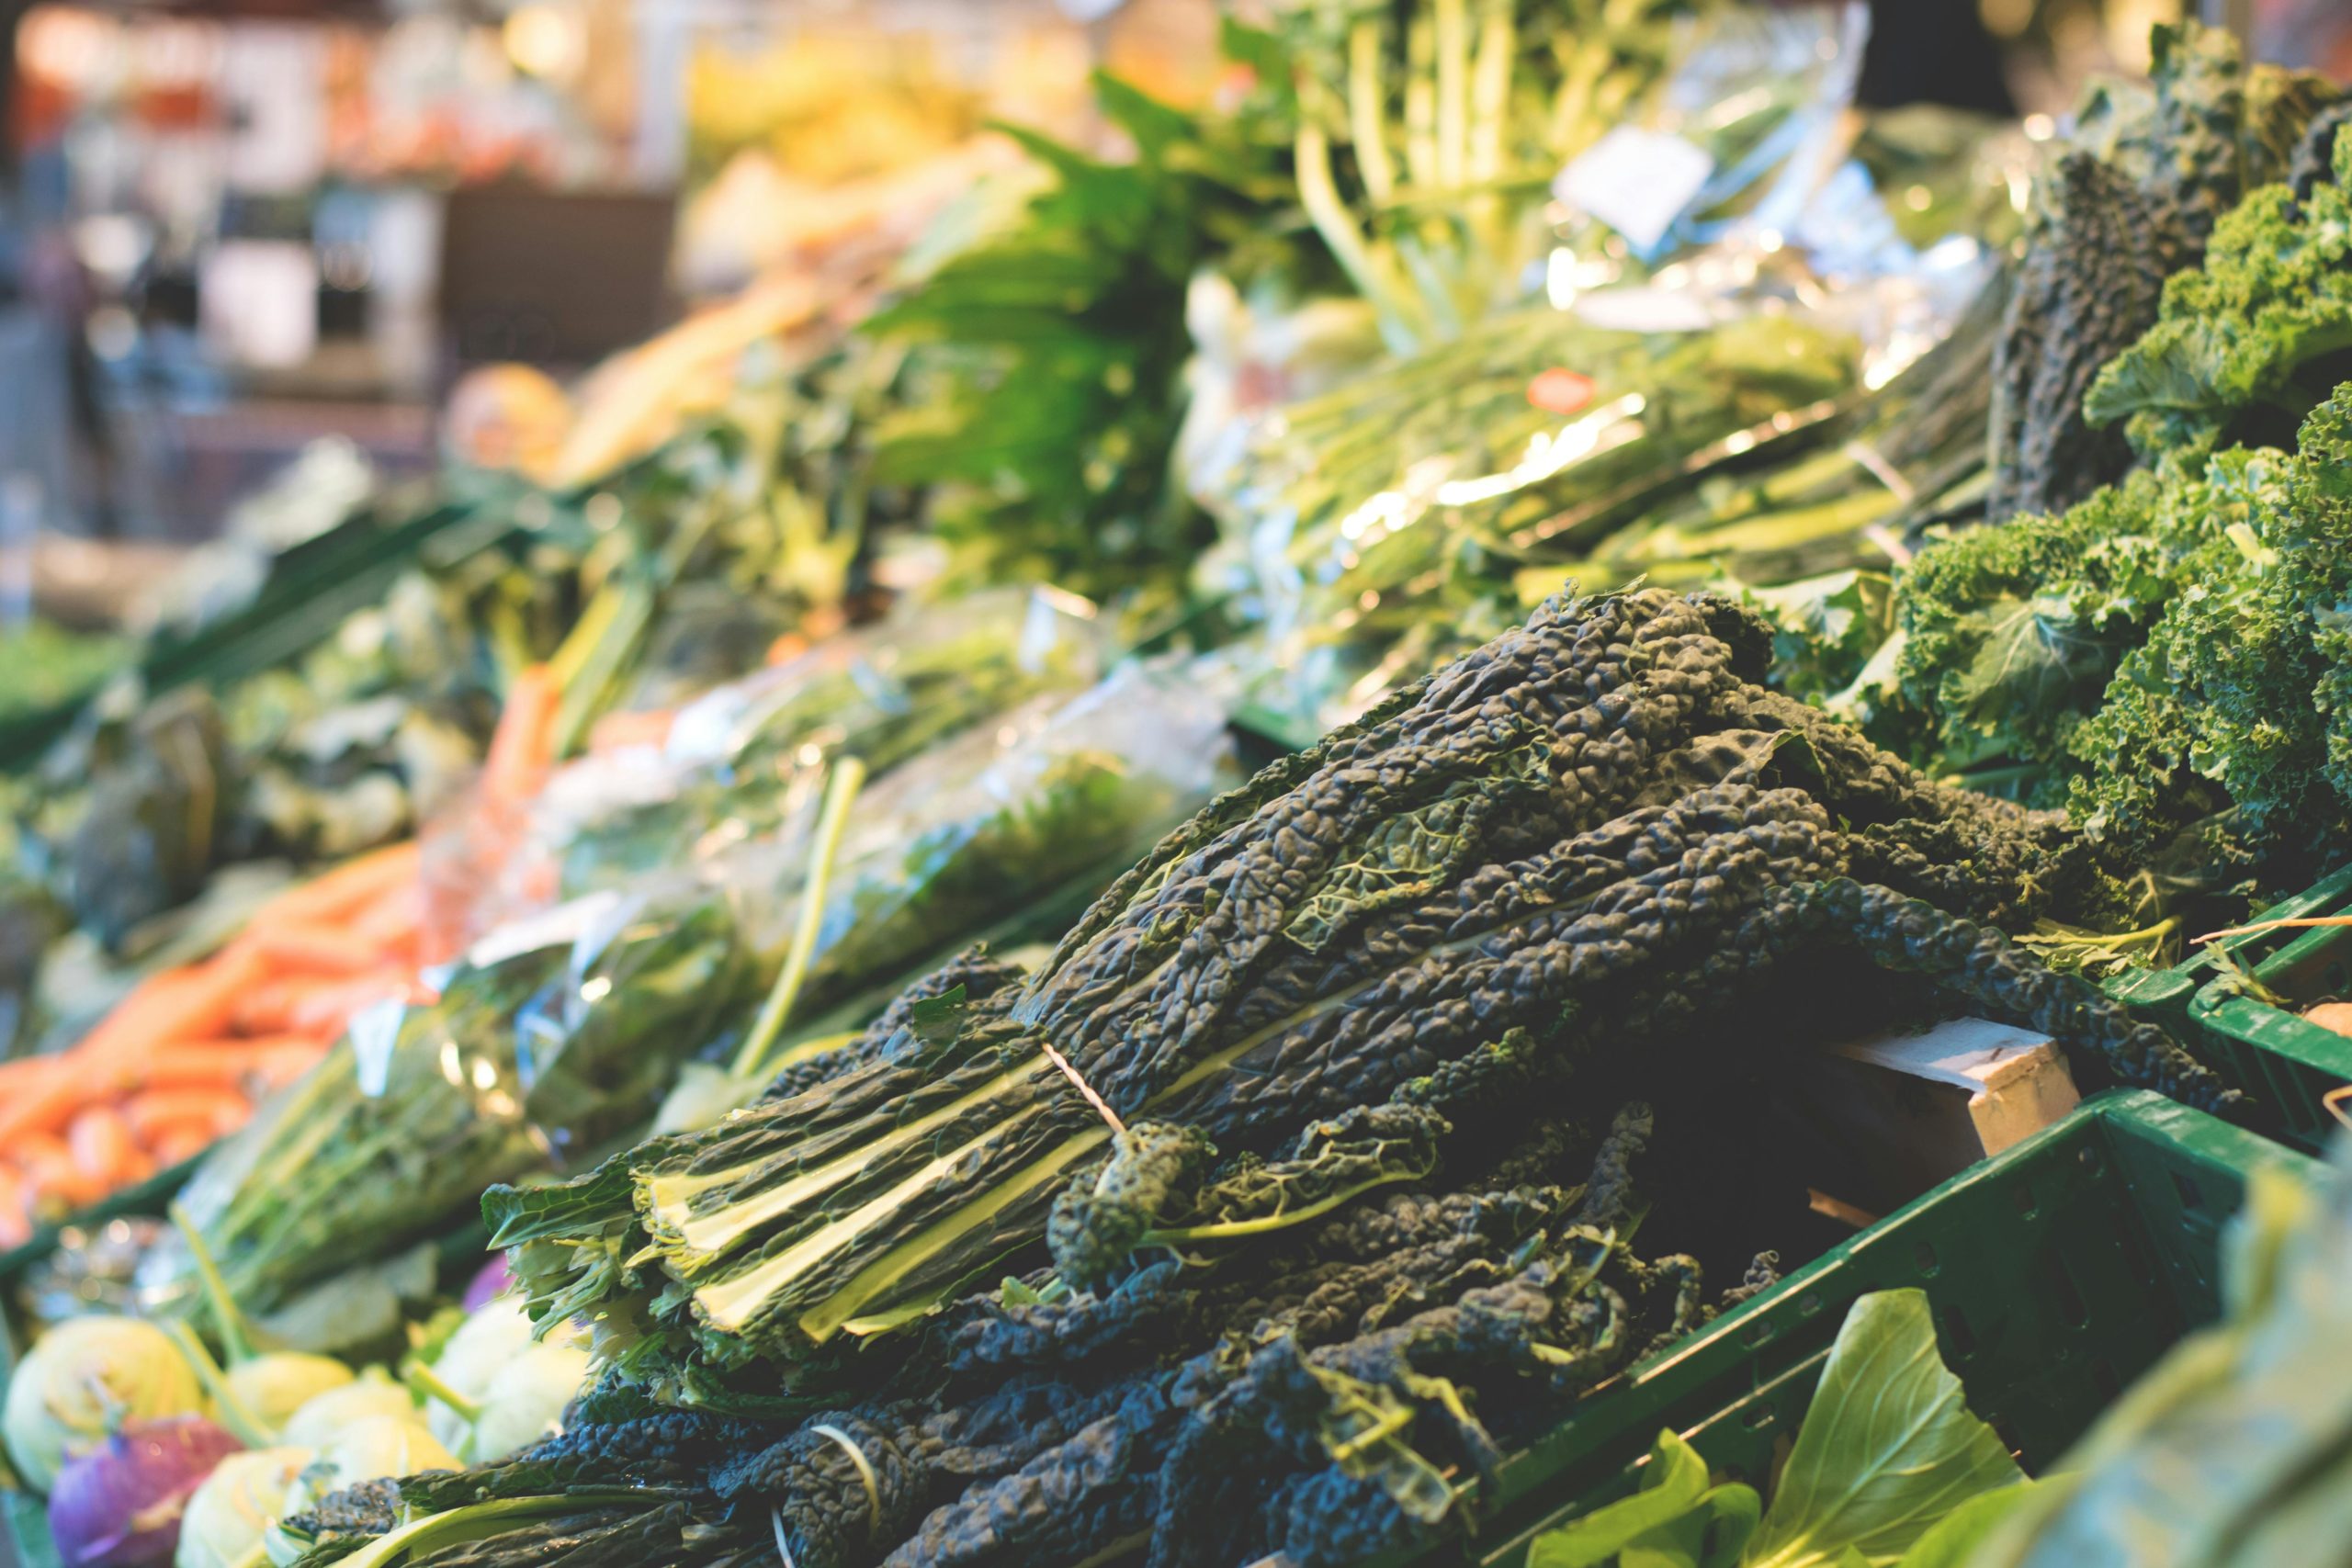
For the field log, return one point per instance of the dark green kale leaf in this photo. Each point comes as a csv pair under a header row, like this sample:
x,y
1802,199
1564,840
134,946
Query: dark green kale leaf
x,y
2134,203
1573,851
2258,329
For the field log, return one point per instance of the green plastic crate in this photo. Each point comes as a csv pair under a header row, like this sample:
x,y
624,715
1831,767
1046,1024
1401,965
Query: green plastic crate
x,y
2300,1074
2058,1273
2168,996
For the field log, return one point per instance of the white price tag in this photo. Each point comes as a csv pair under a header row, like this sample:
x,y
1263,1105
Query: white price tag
x,y
1636,181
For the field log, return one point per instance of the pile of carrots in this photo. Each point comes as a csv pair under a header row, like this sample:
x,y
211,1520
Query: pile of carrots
x,y
181,1060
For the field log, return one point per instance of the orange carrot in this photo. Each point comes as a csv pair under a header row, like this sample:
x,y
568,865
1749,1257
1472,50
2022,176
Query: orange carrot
x,y
49,1172
15,1210
42,1103
523,746
324,1011
220,1110
99,1141
184,1004
229,1063
393,920
170,1143
313,949
268,1007
348,887
40,1146
620,731
271,1067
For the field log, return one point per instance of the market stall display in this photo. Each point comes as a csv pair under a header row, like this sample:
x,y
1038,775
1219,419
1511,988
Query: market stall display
x,y
1731,576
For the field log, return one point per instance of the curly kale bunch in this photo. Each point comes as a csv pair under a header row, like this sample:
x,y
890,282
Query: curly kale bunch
x,y
2241,697
2010,633
2167,659
2246,345
2133,202
2163,658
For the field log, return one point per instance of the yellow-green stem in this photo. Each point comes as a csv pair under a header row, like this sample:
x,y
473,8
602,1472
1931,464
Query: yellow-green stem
x,y
847,778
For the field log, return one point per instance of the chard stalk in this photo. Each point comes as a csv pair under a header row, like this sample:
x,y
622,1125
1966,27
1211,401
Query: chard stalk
x,y
478,1521
1420,102
588,673
1590,99
236,1329
436,1387
1366,103
1440,284
227,1408
848,777
1453,92
1490,117
1490,92
1319,193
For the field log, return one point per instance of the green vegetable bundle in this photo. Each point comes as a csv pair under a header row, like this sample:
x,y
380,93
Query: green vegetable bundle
x,y
1315,1399
1578,850
2132,201
1403,504
740,758
524,1058
566,1029
2166,656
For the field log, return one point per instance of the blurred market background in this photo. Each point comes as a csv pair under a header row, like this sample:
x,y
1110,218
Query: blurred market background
x,y
238,231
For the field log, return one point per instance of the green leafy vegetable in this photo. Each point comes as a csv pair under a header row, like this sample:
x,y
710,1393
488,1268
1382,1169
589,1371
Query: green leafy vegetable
x,y
1888,1449
1676,1521
1457,898
1047,358
2259,327
1889,1468
2134,202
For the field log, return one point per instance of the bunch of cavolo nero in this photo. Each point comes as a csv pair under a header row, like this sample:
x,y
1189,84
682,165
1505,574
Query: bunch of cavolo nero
x,y
1309,1161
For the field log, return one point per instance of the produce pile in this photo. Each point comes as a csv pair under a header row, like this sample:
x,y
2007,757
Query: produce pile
x,y
752,1009
1544,878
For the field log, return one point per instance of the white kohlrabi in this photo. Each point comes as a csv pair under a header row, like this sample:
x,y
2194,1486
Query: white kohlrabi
x,y
85,1377
235,1506
323,1417
493,1389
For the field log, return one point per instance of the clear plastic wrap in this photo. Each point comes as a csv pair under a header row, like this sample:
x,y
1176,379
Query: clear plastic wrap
x,y
1731,146
549,1039
1005,833
740,761
1749,315
1391,515
563,1030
